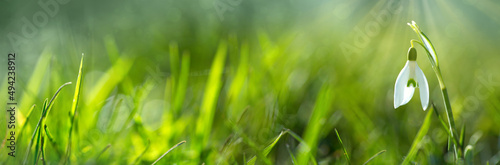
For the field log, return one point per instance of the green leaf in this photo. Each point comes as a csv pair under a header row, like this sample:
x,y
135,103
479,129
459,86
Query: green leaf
x,y
420,135
74,107
210,97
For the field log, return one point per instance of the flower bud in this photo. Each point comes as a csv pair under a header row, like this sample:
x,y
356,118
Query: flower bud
x,y
412,54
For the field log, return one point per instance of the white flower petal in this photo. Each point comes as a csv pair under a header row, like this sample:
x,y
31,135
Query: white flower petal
x,y
402,93
423,87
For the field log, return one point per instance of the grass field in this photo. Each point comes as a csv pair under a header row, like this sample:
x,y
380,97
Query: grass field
x,y
249,82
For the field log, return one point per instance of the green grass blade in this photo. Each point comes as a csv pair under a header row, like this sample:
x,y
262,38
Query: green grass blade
x,y
211,95
78,86
111,48
469,155
252,161
241,74
420,135
462,137
343,147
174,63
34,84
446,128
103,150
34,134
297,137
268,149
42,148
52,140
178,144
45,110
315,127
107,83
291,154
180,92
377,154
28,116
37,146
137,160
51,102
74,107
141,95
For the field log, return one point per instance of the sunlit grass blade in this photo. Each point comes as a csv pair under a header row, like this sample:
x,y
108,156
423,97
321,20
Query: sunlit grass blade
x,y
420,135
343,147
267,150
182,84
236,90
446,128
34,84
45,110
462,136
101,90
37,146
315,126
371,158
175,146
211,95
74,108
297,137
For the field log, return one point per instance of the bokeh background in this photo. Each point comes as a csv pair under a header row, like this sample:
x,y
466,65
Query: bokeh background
x,y
228,76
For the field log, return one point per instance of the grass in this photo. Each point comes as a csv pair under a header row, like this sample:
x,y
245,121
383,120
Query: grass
x,y
45,146
203,128
254,88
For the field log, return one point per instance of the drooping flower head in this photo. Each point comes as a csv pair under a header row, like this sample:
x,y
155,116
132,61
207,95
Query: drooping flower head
x,y
409,78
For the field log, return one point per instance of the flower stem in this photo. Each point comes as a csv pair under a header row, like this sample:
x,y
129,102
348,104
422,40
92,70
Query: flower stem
x,y
413,40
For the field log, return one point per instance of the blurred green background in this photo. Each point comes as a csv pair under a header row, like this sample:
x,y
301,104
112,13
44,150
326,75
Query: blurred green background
x,y
228,76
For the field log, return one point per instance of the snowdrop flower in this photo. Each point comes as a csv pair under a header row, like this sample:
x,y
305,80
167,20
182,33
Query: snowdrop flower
x,y
408,79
